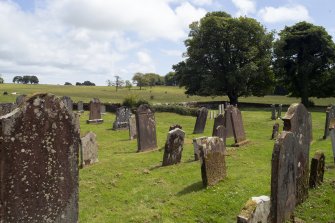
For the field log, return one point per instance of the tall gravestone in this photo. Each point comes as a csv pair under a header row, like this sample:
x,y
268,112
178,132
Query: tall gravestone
x,y
219,120
221,133
122,118
197,144
275,131
317,169
228,122
39,162
200,123
173,147
80,107
146,128
68,102
273,112
132,128
95,113
6,108
238,128
330,114
332,136
89,147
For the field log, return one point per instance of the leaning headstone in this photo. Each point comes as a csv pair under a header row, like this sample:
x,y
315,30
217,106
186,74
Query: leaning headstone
x,y
283,177
280,108
330,114
238,128
173,147
200,123
228,122
6,108
317,169
212,160
256,210
146,128
221,133
122,116
332,136
132,127
275,131
103,109
297,121
20,99
39,162
172,127
95,113
219,120
273,112
89,149
80,107
68,102
197,144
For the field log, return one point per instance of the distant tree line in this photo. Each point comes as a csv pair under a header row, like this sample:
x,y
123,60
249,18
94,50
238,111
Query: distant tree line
x,y
85,83
26,79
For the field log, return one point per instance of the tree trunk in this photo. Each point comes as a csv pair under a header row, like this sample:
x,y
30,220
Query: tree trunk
x,y
233,99
304,100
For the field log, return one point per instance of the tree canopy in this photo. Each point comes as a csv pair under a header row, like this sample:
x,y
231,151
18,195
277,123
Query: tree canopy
x,y
304,61
26,79
226,56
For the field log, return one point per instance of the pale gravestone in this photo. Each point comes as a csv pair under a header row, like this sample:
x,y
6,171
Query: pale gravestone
x,y
39,162
283,177
103,109
228,122
95,113
330,114
80,107
132,127
20,99
6,108
146,128
297,120
219,120
273,112
68,102
89,149
256,210
122,118
317,169
212,160
197,144
172,127
200,123
275,131
173,147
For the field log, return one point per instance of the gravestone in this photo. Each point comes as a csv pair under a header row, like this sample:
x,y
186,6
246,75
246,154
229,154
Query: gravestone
x,y
280,108
238,128
283,177
39,162
68,102
330,114
103,109
197,144
89,149
219,120
146,128
273,112
228,122
201,120
212,160
297,121
173,147
332,136
80,107
256,210
275,131
122,118
221,133
172,127
6,108
20,99
317,169
132,127
95,113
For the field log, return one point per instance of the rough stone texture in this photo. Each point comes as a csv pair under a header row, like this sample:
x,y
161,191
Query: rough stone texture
x,y
332,136
172,127
256,210
212,160
103,109
219,120
6,108
227,121
330,114
146,128
273,112
275,131
122,118
132,128
221,133
20,99
238,128
197,144
317,169
39,162
283,177
200,123
89,149
68,102
95,113
80,106
280,108
297,121
173,147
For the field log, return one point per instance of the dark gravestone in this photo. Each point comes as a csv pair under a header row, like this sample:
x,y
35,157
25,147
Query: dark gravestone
x,y
89,149
297,120
317,170
275,131
173,147
212,160
280,108
221,133
132,127
330,114
273,112
95,114
172,127
39,162
197,144
68,102
283,177
146,128
332,136
228,122
6,108
80,107
20,99
122,118
200,123
219,120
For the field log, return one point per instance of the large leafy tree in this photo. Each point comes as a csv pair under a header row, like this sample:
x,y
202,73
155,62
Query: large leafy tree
x,y
226,56
304,61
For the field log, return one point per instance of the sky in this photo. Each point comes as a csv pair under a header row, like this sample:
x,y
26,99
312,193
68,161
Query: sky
x,y
77,40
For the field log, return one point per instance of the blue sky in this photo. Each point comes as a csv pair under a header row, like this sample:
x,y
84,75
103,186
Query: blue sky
x,y
78,40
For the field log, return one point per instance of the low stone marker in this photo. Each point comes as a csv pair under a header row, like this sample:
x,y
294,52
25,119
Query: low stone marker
x,y
89,149
20,99
197,144
6,108
317,169
256,210
68,102
122,116
330,114
95,113
280,108
39,162
172,127
103,109
132,128
273,112
219,120
146,128
212,160
228,122
200,123
80,107
221,133
173,147
275,131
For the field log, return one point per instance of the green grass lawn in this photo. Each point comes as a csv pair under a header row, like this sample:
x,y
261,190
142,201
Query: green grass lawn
x,y
126,186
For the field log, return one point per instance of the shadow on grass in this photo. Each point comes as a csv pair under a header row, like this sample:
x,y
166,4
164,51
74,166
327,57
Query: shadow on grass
x,y
191,188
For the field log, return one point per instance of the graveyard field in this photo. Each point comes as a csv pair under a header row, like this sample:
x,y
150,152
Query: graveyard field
x,y
126,186
157,94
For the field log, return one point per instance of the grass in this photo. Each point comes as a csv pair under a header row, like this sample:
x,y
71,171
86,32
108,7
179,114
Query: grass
x,y
159,94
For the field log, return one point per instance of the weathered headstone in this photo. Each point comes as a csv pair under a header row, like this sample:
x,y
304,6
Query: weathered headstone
x,y
197,144
238,128
297,121
275,131
20,99
173,147
283,177
89,149
317,169
146,128
219,120
80,107
200,123
6,108
256,210
172,127
39,162
221,133
228,122
212,160
103,109
95,113
122,116
280,108
132,127
273,112
68,102
332,136
330,114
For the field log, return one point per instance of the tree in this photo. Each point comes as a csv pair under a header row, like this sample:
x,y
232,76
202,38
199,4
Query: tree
x,y
78,84
67,83
128,85
88,83
33,80
25,79
304,61
118,82
226,55
170,79
17,79
1,79
140,80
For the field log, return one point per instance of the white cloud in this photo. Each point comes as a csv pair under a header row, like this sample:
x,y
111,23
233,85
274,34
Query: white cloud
x,y
174,53
202,2
245,7
284,14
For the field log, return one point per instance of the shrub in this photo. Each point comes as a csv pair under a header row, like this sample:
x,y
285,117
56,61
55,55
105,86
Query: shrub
x,y
176,109
130,101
